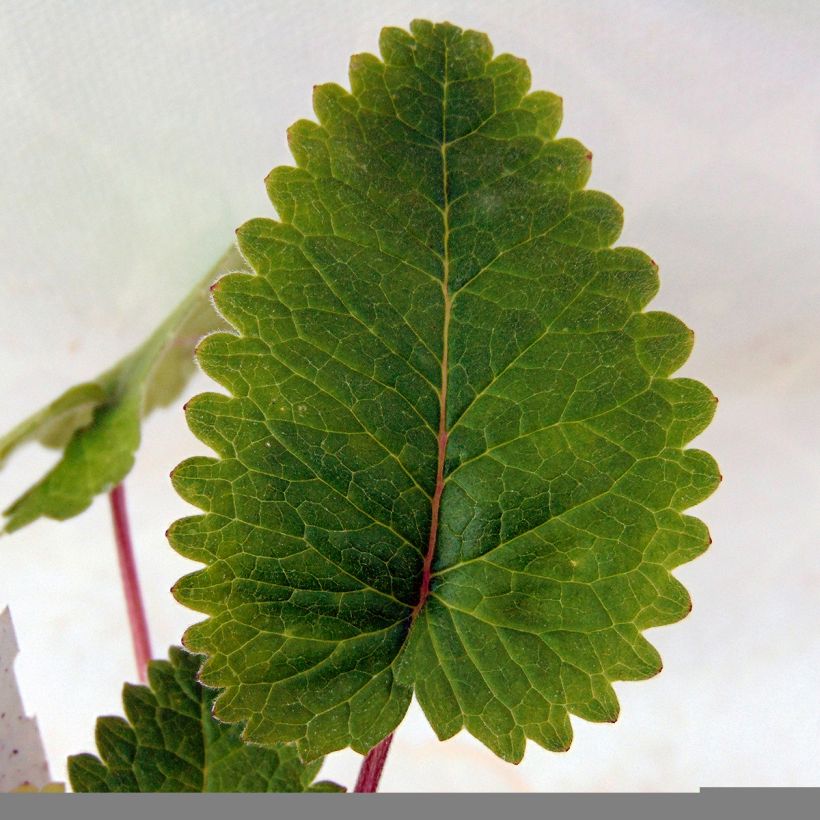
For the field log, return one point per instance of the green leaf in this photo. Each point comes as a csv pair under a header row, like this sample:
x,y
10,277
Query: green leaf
x,y
170,742
98,422
441,365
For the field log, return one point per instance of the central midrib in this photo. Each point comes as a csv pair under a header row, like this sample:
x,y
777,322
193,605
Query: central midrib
x,y
427,568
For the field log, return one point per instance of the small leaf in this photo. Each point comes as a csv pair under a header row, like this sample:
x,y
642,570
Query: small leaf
x,y
98,422
23,764
171,743
453,461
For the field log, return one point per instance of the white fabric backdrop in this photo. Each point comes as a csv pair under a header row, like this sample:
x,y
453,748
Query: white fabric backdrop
x,y
134,137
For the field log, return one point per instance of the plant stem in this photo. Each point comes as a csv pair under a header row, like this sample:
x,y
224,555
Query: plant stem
x,y
371,772
130,582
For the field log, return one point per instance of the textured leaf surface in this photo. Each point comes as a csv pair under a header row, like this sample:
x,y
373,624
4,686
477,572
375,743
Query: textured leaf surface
x,y
453,459
23,764
171,743
98,422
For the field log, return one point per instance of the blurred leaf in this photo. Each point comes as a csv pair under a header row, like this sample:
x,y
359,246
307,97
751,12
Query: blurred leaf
x,y
99,422
170,743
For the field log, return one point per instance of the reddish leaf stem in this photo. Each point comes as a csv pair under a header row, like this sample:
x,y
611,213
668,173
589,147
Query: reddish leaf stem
x,y
371,771
130,581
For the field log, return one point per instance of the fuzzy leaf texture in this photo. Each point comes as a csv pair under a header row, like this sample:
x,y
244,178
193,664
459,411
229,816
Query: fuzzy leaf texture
x,y
98,423
452,462
171,743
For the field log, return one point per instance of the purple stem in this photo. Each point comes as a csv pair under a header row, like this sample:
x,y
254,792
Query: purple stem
x,y
130,582
371,771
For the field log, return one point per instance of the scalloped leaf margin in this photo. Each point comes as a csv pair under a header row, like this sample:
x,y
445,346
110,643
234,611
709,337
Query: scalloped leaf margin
x,y
453,460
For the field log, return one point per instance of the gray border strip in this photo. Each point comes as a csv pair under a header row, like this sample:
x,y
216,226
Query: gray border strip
x,y
750,804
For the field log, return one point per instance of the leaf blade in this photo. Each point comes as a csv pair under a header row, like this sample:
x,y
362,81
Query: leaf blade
x,y
98,423
171,742
453,462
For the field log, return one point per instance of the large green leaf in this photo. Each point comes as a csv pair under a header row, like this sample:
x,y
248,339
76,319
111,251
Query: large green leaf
x,y
452,462
170,742
98,422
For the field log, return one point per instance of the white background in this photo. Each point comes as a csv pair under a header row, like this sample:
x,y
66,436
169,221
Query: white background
x,y
134,137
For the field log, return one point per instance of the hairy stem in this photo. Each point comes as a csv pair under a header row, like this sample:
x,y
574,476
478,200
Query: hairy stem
x,y
371,772
130,582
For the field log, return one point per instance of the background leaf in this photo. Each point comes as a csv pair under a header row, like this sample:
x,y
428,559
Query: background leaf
x,y
23,764
453,462
170,742
98,422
